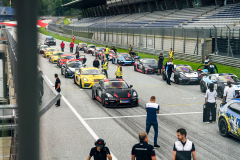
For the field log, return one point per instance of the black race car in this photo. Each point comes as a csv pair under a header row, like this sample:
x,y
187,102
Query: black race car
x,y
146,65
114,93
68,69
184,74
50,41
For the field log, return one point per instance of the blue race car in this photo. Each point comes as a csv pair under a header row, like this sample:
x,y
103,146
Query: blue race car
x,y
124,59
228,118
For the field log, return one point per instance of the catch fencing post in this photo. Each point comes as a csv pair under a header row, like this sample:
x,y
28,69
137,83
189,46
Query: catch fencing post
x,y
173,39
162,37
184,39
146,38
203,45
133,37
112,35
216,48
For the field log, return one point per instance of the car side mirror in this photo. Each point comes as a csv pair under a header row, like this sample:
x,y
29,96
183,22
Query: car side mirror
x,y
131,86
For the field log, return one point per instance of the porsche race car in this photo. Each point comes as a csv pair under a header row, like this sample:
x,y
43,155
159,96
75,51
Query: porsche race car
x,y
54,56
68,69
184,74
87,77
90,49
81,46
50,41
115,93
220,82
146,65
123,58
98,50
49,51
42,49
64,58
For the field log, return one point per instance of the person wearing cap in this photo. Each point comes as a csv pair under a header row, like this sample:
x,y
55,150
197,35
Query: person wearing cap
x,y
119,71
100,152
143,150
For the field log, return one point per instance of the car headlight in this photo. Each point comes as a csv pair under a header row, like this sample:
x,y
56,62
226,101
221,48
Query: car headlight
x,y
109,95
85,79
134,94
47,41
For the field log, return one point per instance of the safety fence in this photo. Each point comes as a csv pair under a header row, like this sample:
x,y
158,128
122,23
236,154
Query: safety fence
x,y
188,44
9,112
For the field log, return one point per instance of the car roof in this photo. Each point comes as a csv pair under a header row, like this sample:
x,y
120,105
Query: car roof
x,y
49,36
67,55
51,48
112,79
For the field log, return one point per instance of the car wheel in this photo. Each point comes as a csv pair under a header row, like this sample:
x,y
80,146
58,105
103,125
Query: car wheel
x,y
143,70
176,80
223,127
61,72
75,80
104,103
164,77
202,87
220,92
135,68
80,84
93,95
66,75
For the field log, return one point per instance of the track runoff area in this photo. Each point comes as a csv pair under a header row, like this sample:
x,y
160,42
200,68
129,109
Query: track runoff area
x,y
69,131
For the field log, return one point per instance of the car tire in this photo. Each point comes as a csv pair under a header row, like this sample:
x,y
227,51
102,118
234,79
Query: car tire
x,y
164,77
112,61
202,87
93,95
80,84
103,103
176,79
74,80
135,69
223,127
220,92
61,72
66,75
143,70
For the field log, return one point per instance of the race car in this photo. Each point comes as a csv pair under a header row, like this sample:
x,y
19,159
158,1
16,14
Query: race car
x,y
81,46
146,65
202,71
228,118
64,58
110,56
68,69
49,51
123,58
220,82
184,74
98,50
87,77
50,41
89,49
54,56
114,93
42,48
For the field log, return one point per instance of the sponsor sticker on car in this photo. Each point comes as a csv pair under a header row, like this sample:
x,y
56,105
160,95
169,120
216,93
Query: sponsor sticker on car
x,y
124,101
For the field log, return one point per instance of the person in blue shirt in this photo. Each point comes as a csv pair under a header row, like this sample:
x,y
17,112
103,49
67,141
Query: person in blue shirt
x,y
212,68
152,110
206,62
169,68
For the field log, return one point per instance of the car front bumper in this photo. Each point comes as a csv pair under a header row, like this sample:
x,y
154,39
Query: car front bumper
x,y
189,80
121,102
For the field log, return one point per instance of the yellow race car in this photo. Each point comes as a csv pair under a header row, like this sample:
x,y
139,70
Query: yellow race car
x,y
87,77
55,56
49,51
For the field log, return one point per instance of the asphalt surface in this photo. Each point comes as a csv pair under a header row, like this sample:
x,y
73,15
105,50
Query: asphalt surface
x,y
64,137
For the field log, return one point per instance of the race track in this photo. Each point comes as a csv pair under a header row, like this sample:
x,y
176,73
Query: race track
x,y
64,132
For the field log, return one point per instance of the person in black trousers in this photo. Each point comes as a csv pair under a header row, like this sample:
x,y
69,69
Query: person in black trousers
x,y
210,102
77,54
96,63
160,63
57,88
169,68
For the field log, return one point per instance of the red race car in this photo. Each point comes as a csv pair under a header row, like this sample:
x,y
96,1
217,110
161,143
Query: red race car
x,y
111,54
64,58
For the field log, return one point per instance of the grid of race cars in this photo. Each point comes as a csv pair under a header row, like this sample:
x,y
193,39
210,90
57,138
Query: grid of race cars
x,y
117,93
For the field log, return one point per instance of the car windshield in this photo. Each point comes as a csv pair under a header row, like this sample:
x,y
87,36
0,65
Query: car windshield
x,y
91,72
55,54
91,46
101,48
184,68
225,79
50,38
44,46
82,44
75,65
52,50
115,84
151,61
125,55
67,57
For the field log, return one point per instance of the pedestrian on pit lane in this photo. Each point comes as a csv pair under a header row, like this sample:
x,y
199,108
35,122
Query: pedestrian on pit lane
x,y
77,54
73,39
171,53
71,47
183,148
169,68
118,73
206,62
210,102
143,150
152,110
57,88
96,63
160,63
212,68
100,152
105,67
229,93
62,46
106,52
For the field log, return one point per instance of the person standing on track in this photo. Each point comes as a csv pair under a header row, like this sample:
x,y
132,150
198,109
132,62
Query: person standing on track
x,y
57,88
206,63
100,152
212,68
183,148
106,52
62,46
171,53
229,93
71,47
152,110
73,39
105,67
119,71
160,63
143,150
210,102
169,66
96,63
77,54
114,49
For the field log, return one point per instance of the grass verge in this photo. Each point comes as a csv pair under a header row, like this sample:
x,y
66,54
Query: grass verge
x,y
66,21
221,68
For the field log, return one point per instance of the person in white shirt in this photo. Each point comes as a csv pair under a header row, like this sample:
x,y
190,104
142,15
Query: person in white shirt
x,y
229,93
210,102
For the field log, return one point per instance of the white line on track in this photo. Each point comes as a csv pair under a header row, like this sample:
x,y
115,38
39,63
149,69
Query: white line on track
x,y
167,114
81,119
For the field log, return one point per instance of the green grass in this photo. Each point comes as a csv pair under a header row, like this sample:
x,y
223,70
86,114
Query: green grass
x,y
66,21
221,68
